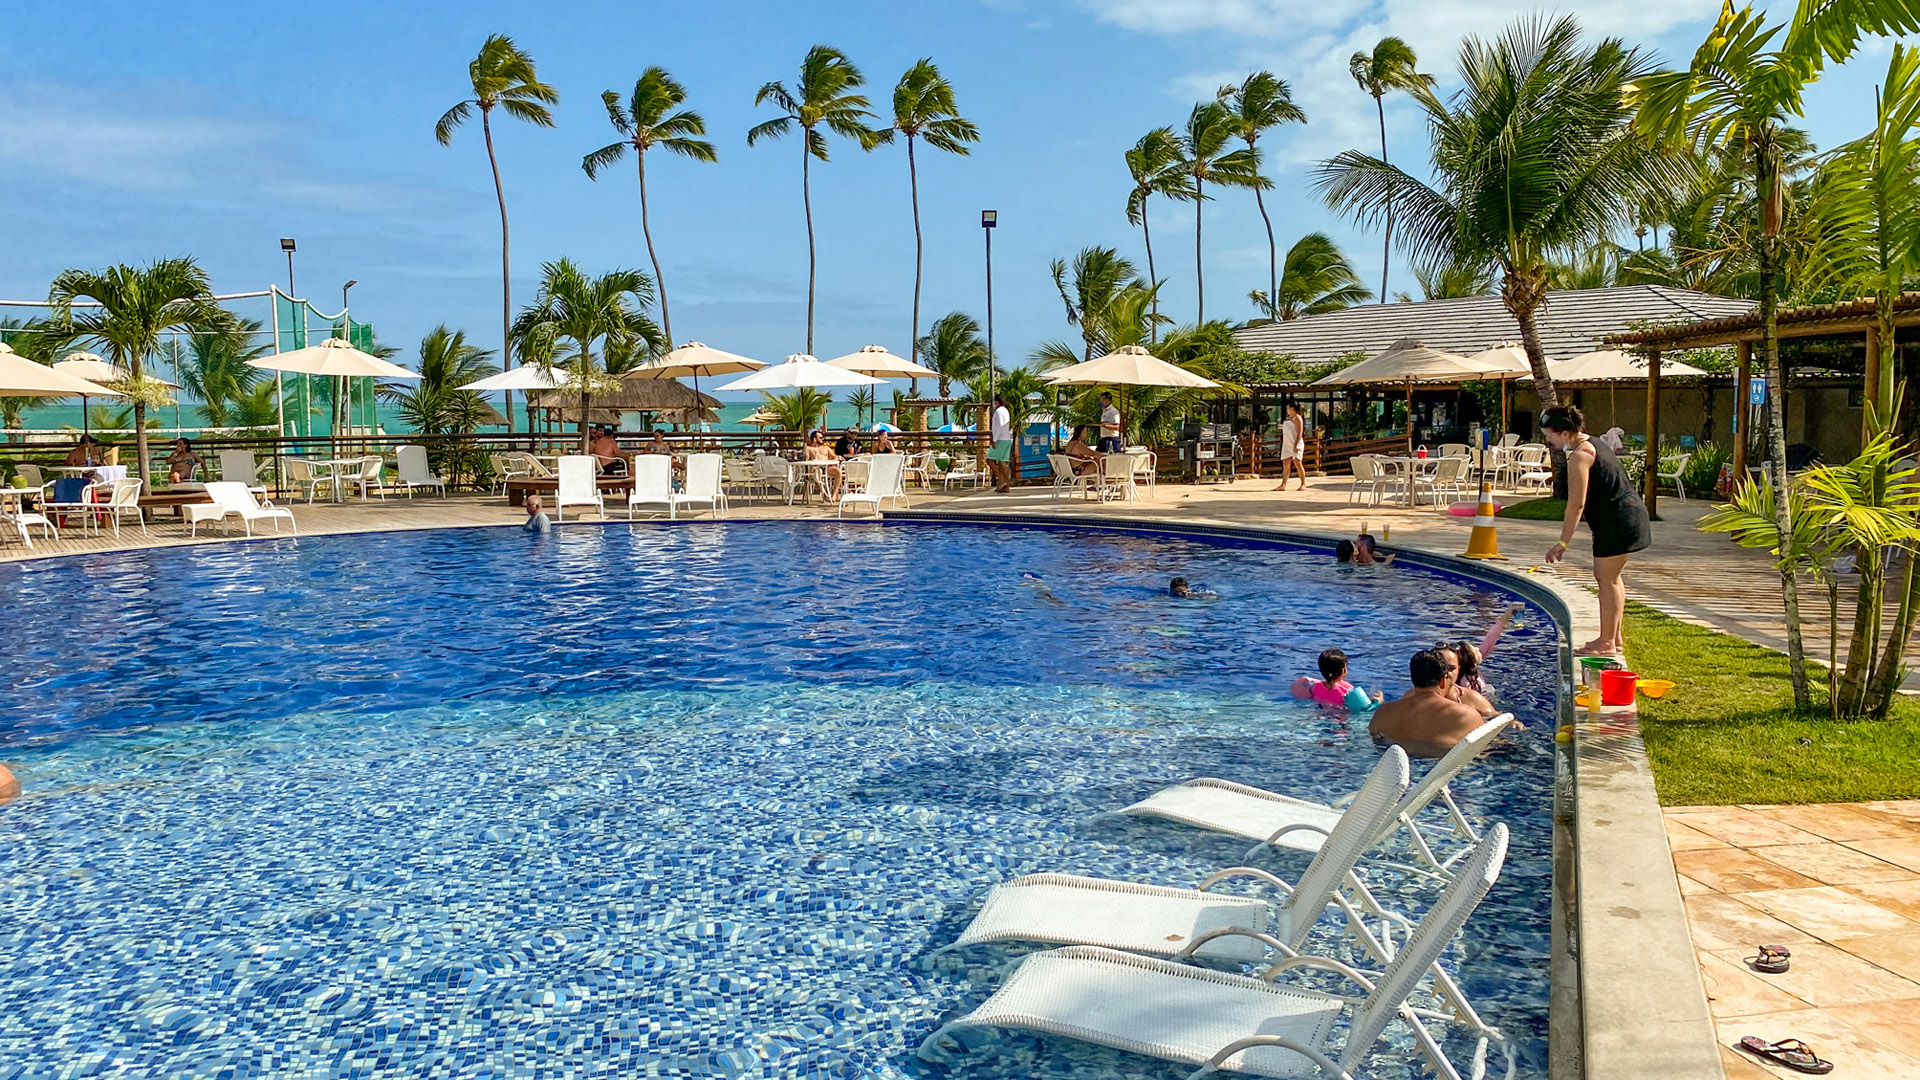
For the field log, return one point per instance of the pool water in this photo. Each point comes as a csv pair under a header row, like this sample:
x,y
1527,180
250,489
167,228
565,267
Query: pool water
x,y
680,801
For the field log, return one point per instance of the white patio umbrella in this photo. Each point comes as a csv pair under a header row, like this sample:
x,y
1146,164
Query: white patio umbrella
x,y
1608,365
1405,360
695,359
1503,361
875,360
21,377
1129,365
524,377
335,358
797,371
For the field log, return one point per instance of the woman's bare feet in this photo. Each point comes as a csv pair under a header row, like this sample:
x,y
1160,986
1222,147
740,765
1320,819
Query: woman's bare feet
x,y
1596,647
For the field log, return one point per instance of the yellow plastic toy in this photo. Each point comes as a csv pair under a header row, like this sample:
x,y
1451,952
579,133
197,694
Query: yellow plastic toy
x,y
1655,688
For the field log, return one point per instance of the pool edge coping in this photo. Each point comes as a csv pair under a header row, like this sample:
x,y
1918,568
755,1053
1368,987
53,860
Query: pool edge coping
x,y
1622,968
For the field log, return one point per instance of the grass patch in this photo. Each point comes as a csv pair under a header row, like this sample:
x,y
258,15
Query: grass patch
x,y
1728,733
1536,510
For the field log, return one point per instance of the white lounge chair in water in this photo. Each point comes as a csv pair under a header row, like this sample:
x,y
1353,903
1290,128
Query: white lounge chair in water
x,y
1282,821
703,485
579,485
652,484
414,471
232,499
1065,910
1219,1021
883,483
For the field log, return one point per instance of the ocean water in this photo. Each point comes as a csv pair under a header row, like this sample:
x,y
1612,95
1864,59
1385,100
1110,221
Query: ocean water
x,y
697,800
54,417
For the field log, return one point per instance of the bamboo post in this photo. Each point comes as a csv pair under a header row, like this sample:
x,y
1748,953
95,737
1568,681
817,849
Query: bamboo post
x,y
1653,432
1740,411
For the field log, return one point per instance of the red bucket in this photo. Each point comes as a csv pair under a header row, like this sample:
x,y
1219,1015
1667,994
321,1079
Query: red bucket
x,y
1618,687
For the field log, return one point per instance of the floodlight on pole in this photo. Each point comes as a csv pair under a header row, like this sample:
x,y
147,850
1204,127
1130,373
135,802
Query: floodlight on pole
x,y
287,245
990,220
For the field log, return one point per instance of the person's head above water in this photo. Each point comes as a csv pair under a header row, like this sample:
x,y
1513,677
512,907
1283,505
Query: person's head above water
x,y
1468,655
1428,669
1179,587
1343,551
1333,665
533,505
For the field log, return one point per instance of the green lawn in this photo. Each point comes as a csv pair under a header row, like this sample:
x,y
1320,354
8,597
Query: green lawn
x,y
1728,733
1535,510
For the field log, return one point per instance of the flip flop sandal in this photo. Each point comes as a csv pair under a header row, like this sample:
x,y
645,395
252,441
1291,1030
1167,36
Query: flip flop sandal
x,y
1773,959
1792,1053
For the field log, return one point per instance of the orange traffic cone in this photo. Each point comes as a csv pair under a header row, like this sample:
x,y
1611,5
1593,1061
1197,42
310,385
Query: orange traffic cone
x,y
1484,543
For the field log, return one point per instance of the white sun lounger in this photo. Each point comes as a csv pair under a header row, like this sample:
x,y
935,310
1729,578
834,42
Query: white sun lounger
x,y
1219,1021
1283,821
652,484
1061,909
231,498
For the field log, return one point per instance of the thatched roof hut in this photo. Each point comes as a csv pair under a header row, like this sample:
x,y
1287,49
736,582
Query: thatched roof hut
x,y
670,399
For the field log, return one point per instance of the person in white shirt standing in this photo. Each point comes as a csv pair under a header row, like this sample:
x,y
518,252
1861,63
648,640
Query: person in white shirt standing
x,y
1293,448
1110,440
1000,456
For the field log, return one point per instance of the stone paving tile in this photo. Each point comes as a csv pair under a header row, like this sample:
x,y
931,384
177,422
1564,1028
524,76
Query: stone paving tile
x,y
1855,1055
1833,864
1824,974
1894,1024
1898,953
1740,1066
1904,850
1827,913
1841,821
1683,837
1746,828
1899,897
1733,990
1720,922
1734,870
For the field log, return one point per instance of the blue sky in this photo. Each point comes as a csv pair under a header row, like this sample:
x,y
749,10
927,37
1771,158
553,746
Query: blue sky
x,y
130,131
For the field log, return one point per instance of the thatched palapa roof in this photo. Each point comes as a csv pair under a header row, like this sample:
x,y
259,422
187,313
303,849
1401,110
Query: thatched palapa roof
x,y
669,397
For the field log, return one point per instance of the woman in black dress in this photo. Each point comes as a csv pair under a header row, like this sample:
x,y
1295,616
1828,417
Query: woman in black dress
x,y
1598,493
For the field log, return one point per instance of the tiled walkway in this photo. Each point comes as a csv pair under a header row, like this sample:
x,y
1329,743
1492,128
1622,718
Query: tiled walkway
x,y
1839,885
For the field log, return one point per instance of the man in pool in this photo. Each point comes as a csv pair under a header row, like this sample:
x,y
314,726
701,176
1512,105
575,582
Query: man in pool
x,y
1425,721
536,516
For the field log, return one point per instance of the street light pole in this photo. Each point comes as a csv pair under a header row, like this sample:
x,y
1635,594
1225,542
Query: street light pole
x,y
989,220
287,245
346,328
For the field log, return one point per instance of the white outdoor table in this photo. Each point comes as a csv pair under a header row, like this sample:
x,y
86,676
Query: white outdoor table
x,y
1413,467
797,471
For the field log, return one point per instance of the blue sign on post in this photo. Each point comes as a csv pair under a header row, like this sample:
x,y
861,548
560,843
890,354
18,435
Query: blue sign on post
x,y
1757,390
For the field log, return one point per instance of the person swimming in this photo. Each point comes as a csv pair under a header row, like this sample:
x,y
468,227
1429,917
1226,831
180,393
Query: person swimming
x,y
1181,589
1332,688
1472,656
1039,586
1360,551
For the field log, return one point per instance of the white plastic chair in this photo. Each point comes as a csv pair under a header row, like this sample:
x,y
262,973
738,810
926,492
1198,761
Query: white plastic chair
x,y
1146,470
579,485
703,485
32,475
371,476
777,474
509,466
1064,478
1116,477
962,469
86,507
1217,1020
1366,477
124,500
919,466
26,520
1510,439
1445,478
241,466
312,475
1453,449
232,499
414,471
740,476
1679,468
652,483
885,480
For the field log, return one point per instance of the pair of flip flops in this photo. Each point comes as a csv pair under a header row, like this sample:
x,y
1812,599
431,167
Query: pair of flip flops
x,y
1792,1053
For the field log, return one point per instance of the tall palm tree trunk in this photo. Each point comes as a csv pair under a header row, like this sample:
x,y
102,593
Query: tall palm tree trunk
x,y
1199,268
1273,253
506,287
1892,659
1386,243
806,205
659,281
1153,331
913,186
1777,446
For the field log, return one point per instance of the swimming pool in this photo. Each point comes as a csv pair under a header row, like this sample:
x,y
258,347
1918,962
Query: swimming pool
x,y
687,801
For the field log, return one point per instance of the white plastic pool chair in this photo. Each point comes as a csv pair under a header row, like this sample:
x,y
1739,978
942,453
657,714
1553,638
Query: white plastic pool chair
x,y
579,486
1282,821
414,472
240,466
884,474
1226,1022
652,484
232,499
703,485
1065,910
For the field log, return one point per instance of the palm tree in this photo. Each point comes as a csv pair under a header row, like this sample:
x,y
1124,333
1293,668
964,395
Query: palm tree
x,y
862,401
1594,266
1831,29
435,404
799,408
1099,276
1154,164
576,315
502,76
923,108
1317,279
136,305
649,120
1024,392
1204,157
954,348
1390,66
1260,103
1532,156
214,368
823,95
1737,93
1453,280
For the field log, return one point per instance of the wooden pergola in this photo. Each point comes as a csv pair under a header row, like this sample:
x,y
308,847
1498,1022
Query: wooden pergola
x,y
1741,331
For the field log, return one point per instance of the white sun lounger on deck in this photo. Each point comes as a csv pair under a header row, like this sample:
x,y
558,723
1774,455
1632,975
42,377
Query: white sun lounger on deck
x,y
231,498
1283,821
1061,909
1219,1021
652,484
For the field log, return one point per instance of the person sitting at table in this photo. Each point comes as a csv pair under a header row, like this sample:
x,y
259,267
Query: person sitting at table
x,y
84,452
658,444
607,451
818,450
884,444
846,446
183,465
1084,459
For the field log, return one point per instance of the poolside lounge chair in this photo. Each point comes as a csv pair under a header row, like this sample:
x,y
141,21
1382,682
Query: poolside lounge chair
x,y
652,484
1062,909
1281,821
232,499
579,486
884,472
1219,1021
702,485
241,466
124,500
414,471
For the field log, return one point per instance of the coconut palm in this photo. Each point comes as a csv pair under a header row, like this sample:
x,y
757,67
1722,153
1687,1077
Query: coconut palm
x,y
1532,156
434,404
589,327
135,306
862,401
923,108
215,370
1831,29
1154,164
1260,103
1099,276
502,76
1317,279
1204,156
1738,93
652,117
1390,66
1452,280
954,348
824,95
800,409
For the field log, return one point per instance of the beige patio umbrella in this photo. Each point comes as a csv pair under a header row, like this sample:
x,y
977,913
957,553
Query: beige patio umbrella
x,y
334,358
695,359
1613,368
1405,360
875,360
760,418
1129,365
1503,361
21,377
